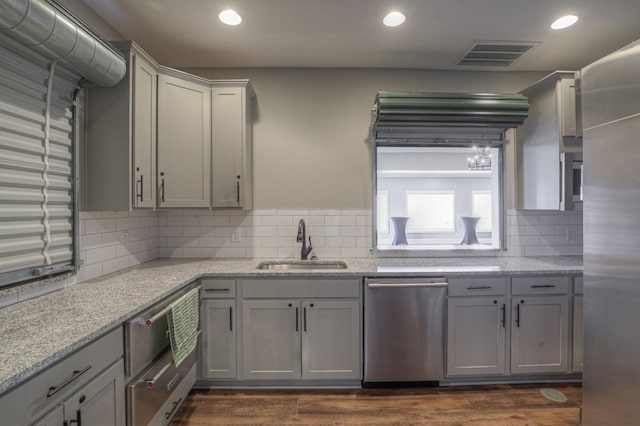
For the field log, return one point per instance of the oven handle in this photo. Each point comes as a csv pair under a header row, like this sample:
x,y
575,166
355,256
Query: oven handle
x,y
150,383
407,284
156,317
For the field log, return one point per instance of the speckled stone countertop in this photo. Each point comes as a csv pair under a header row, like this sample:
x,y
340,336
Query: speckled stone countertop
x,y
36,333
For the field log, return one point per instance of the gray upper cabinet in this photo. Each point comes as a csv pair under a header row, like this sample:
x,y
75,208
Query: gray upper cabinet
x,y
184,147
231,144
549,145
539,334
121,138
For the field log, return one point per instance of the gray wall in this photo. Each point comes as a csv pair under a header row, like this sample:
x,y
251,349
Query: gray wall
x,y
310,148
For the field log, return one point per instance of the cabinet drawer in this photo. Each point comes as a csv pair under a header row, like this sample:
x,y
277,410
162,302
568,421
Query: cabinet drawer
x,y
216,288
34,398
578,285
300,288
540,285
490,286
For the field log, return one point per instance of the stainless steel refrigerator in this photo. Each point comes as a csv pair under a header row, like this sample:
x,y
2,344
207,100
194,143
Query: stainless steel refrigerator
x,y
611,122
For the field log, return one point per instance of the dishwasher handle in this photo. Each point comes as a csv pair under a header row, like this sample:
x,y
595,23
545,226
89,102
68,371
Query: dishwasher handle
x,y
430,284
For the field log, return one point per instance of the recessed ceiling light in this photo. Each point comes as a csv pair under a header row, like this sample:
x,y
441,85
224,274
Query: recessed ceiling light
x,y
393,19
564,22
230,17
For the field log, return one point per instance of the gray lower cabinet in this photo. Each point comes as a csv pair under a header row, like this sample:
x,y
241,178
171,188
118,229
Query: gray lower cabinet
x,y
87,387
476,336
219,340
578,333
101,402
54,418
301,339
271,339
539,334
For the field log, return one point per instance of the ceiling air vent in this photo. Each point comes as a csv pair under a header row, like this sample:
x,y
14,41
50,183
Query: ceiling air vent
x,y
495,54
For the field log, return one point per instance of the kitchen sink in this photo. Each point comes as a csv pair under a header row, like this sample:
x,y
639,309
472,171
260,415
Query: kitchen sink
x,y
291,265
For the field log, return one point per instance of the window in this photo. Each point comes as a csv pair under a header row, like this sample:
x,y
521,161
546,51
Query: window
x,y
431,211
383,211
435,186
482,208
36,164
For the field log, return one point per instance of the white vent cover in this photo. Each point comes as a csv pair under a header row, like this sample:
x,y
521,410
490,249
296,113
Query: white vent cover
x,y
496,53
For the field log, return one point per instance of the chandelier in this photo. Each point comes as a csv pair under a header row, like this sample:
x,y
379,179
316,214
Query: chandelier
x,y
480,159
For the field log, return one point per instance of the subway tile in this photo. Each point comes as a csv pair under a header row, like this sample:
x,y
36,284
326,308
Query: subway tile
x,y
326,212
148,222
354,252
170,212
364,242
88,272
163,220
216,242
363,220
192,231
229,212
182,242
324,231
523,220
340,220
568,250
324,252
287,231
182,221
271,212
213,221
223,232
293,212
340,242
314,220
139,234
114,215
163,242
95,226
91,241
554,220
100,254
170,232
355,212
262,251
524,240
539,230
354,231
261,231
228,252
538,251
171,252
113,265
278,241
127,223
553,240
288,252
200,252
277,220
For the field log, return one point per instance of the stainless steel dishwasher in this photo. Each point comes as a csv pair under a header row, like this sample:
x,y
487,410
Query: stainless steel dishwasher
x,y
404,322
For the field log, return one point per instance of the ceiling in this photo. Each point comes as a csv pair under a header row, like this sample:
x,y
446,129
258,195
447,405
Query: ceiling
x,y
350,34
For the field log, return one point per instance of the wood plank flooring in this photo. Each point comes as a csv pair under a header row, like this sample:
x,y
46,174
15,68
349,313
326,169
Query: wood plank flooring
x,y
496,405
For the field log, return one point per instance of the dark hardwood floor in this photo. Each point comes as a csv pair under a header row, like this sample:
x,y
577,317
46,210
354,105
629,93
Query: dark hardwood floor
x,y
496,405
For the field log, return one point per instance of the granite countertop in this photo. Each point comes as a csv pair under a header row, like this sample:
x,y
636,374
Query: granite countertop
x,y
36,333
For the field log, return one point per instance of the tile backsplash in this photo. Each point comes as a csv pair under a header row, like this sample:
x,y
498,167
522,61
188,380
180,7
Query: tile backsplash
x,y
111,241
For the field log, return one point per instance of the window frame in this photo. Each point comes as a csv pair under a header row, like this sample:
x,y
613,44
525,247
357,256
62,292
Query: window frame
x,y
501,231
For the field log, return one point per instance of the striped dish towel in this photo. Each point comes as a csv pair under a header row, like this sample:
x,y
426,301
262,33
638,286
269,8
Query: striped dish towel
x,y
183,325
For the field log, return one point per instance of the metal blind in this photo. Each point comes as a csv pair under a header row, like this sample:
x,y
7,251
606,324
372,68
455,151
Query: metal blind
x,y
36,165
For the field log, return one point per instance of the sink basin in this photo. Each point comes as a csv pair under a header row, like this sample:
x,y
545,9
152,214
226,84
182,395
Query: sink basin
x,y
291,265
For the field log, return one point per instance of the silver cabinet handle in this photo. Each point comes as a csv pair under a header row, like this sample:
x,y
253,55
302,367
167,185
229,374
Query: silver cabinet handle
x,y
381,285
238,189
217,290
74,376
176,404
141,194
543,286
479,287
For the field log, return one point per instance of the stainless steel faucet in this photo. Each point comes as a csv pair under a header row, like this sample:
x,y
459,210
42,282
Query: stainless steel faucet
x,y
302,238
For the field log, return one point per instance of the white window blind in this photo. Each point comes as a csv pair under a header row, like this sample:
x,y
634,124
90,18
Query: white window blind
x,y
431,211
481,206
36,164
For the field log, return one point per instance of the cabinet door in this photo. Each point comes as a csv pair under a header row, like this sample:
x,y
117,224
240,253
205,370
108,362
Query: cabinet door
x,y
476,336
144,132
578,333
271,339
219,339
331,343
100,402
184,143
567,107
54,418
227,141
539,334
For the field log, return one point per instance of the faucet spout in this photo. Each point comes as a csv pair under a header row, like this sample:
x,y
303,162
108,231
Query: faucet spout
x,y
302,238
